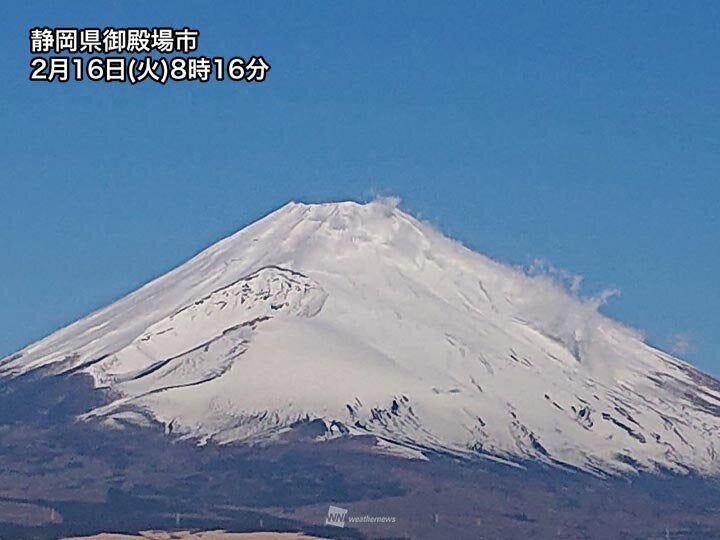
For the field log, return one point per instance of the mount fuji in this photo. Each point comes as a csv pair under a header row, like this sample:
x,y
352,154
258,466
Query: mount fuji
x,y
343,320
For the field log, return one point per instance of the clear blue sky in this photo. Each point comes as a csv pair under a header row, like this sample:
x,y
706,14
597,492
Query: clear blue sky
x,y
585,133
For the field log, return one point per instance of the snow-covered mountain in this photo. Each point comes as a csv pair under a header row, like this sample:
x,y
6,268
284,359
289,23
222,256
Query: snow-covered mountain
x,y
360,319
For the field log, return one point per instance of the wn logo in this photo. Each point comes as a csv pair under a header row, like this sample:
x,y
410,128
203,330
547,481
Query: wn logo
x,y
336,516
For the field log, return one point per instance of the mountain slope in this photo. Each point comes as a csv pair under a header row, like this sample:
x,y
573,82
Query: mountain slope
x,y
373,322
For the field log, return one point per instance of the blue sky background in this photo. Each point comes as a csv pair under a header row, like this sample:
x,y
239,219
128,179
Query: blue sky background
x,y
584,133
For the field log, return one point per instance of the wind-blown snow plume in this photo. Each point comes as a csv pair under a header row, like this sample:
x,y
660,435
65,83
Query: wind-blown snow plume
x,y
363,320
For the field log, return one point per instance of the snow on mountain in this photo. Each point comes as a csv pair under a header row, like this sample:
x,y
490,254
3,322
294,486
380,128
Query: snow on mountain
x,y
345,319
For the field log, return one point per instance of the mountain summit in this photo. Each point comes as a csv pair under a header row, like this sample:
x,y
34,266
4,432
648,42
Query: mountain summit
x,y
344,319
